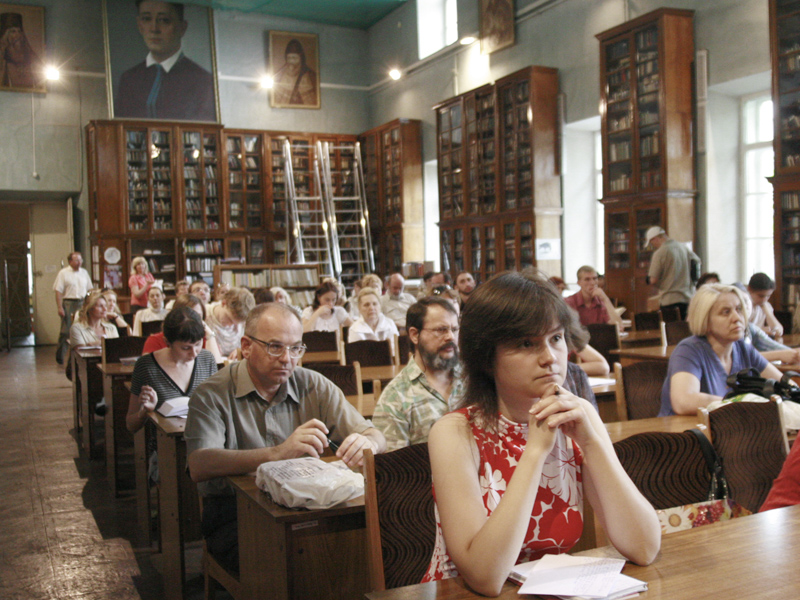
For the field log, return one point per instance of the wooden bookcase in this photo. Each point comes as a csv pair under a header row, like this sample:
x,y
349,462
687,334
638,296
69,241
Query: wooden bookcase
x,y
299,280
499,188
392,160
784,16
648,151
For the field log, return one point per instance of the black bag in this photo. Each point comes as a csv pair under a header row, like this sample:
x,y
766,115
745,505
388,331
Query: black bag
x,y
718,489
749,381
695,268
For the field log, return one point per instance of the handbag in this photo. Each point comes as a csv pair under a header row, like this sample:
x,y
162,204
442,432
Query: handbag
x,y
749,381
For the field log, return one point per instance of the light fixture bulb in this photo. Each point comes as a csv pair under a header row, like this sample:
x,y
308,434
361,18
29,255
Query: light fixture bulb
x,y
466,41
395,74
52,73
267,82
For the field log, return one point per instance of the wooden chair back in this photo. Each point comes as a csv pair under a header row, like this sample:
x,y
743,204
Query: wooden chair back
x,y
401,525
750,438
115,349
151,327
670,314
322,346
346,377
675,331
647,321
403,349
784,318
604,337
128,316
668,468
369,353
638,389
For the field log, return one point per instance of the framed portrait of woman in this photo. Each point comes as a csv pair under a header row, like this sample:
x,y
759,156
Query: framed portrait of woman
x,y
497,25
160,60
22,48
294,64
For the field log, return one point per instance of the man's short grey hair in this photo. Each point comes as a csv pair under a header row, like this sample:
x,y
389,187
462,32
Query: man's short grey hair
x,y
251,325
586,269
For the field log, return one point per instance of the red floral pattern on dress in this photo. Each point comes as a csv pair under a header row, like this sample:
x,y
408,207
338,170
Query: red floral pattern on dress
x,y
556,521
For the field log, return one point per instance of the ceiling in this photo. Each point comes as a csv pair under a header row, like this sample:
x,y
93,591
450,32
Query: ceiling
x,y
358,14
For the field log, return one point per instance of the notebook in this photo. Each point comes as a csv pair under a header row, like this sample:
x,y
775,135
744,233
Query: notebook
x,y
175,407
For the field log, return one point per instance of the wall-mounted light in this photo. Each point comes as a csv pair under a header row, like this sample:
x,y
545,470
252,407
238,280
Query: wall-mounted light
x,y
467,40
266,82
395,74
52,73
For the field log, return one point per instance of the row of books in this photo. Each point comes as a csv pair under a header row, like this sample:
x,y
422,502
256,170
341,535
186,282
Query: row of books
x,y
203,246
201,264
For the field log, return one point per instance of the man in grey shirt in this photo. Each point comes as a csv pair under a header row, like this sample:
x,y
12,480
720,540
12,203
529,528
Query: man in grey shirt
x,y
670,270
262,409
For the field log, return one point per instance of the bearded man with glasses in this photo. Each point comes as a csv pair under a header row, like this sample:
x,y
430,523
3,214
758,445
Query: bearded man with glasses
x,y
262,409
430,385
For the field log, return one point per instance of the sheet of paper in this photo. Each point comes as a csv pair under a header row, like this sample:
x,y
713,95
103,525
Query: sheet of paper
x,y
598,381
565,575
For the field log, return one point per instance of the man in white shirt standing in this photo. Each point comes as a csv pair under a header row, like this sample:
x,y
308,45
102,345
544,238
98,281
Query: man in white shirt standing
x,y
71,286
395,303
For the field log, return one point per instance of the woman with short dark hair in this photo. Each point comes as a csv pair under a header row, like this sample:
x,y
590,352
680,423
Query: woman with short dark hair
x,y
518,420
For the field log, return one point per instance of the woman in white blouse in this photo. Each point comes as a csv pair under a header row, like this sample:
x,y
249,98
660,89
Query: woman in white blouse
x,y
323,314
91,326
155,310
372,324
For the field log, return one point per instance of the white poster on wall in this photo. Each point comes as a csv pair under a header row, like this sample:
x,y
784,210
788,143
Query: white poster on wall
x,y
548,249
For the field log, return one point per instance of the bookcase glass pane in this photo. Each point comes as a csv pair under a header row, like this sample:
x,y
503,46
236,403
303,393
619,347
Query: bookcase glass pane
x,y
618,240
136,156
161,179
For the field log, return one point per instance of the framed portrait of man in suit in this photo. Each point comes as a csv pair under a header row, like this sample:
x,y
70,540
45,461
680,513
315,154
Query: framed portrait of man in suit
x,y
22,48
497,25
294,64
160,60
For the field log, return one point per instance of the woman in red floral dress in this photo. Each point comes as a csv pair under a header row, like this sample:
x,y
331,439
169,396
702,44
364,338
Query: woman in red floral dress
x,y
511,467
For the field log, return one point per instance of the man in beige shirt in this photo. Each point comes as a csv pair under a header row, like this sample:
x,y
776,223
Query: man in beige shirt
x,y
262,409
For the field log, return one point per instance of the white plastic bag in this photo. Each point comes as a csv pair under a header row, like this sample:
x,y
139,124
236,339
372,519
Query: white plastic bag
x,y
309,482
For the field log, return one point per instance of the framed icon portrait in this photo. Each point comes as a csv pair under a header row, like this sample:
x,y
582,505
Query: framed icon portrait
x,y
22,49
160,61
294,65
496,25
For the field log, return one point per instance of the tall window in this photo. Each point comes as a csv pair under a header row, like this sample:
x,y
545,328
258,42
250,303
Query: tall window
x,y
437,25
758,161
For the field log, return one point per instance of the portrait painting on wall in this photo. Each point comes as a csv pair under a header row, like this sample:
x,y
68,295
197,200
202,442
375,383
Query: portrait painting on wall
x,y
22,48
294,64
160,60
497,25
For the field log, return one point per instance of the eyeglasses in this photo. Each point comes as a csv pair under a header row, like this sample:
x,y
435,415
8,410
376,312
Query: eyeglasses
x,y
441,289
277,349
441,332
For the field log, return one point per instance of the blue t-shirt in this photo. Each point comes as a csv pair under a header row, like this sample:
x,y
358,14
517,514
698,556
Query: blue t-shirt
x,y
694,355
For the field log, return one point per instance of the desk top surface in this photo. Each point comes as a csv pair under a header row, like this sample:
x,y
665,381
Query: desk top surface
x,y
751,557
88,352
172,426
640,336
381,372
674,424
116,369
646,352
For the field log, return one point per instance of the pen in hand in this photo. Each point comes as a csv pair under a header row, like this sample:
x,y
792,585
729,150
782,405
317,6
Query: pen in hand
x,y
333,445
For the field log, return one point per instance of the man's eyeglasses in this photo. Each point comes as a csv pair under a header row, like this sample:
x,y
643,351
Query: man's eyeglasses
x,y
441,332
277,349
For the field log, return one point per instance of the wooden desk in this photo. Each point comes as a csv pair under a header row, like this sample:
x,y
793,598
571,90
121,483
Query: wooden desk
x,y
629,356
635,339
753,557
384,373
790,339
674,424
119,441
289,553
606,401
87,386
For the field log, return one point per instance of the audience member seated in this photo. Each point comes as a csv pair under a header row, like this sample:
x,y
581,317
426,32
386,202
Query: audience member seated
x,y
560,284
590,361
465,285
760,288
512,467
705,278
449,294
112,311
220,290
91,324
181,288
372,324
395,302
170,372
427,285
770,349
157,341
261,409
200,289
226,319
323,314
591,302
430,385
262,295
700,364
786,488
155,310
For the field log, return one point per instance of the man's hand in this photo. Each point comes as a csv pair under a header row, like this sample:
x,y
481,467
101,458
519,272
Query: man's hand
x,y
310,439
351,450
61,312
